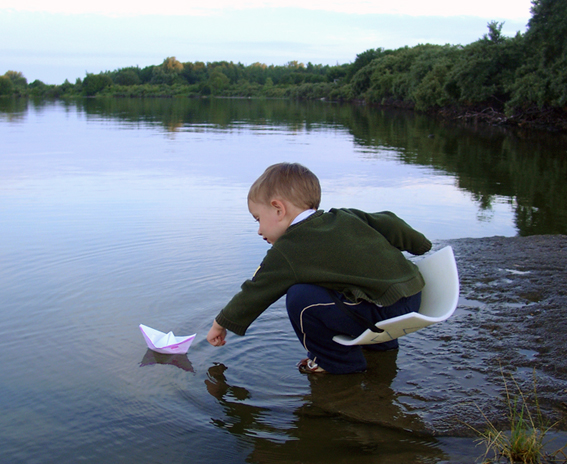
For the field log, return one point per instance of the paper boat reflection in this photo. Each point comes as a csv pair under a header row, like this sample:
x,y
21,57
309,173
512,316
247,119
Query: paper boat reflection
x,y
178,360
166,343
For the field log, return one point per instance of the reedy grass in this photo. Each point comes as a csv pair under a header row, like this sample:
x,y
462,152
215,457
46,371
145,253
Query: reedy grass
x,y
525,441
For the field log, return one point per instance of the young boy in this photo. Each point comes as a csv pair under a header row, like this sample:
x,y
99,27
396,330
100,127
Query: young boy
x,y
337,268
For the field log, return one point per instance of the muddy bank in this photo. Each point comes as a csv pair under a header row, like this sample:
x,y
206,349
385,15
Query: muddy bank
x,y
533,118
511,319
548,120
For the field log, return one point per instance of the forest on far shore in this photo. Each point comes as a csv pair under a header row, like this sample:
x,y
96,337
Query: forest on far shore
x,y
520,80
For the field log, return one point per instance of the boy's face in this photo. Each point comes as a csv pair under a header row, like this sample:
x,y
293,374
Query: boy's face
x,y
272,219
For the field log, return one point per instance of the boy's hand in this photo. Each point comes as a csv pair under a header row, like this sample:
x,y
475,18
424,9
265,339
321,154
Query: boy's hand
x,y
216,335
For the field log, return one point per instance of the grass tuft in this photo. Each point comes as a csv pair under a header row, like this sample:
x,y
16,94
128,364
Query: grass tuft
x,y
525,441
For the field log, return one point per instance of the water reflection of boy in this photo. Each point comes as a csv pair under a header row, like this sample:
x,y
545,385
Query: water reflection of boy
x,y
377,424
317,257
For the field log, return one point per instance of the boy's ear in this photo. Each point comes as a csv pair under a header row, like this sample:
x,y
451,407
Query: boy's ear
x,y
279,206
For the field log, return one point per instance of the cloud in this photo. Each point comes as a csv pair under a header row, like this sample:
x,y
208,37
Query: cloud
x,y
501,9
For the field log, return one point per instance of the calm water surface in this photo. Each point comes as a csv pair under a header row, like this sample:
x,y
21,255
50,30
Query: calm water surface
x,y
116,213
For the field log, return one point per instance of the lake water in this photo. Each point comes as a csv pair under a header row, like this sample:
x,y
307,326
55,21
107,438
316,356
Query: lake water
x,y
120,212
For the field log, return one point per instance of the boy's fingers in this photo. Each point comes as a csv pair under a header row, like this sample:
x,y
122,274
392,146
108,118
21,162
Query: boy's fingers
x,y
217,341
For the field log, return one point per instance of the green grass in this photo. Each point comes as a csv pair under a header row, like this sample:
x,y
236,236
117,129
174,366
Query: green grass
x,y
525,441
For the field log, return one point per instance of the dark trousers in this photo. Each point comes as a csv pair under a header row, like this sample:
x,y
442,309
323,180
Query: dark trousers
x,y
316,320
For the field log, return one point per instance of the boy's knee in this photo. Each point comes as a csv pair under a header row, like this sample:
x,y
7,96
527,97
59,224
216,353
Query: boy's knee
x,y
300,296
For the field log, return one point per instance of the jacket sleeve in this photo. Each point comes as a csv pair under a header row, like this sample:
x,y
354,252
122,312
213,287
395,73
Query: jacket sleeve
x,y
400,234
269,283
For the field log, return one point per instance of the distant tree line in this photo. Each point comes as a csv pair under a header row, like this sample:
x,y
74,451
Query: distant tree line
x,y
496,76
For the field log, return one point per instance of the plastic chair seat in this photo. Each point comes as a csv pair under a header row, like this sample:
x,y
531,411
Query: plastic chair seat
x,y
439,300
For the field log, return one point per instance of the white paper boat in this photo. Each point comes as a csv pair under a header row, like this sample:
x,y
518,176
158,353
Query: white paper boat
x,y
166,343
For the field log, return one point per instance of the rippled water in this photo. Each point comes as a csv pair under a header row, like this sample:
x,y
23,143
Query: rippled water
x,y
109,220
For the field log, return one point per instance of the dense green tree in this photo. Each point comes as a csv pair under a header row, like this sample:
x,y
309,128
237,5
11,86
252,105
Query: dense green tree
x,y
390,76
194,73
429,76
485,69
547,29
37,84
169,72
337,73
296,65
269,83
146,74
364,59
172,65
360,82
293,78
218,81
257,73
38,88
229,69
6,85
67,87
95,83
127,76
17,79
161,76
542,80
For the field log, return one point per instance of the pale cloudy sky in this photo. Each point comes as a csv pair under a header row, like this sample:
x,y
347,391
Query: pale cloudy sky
x,y
59,39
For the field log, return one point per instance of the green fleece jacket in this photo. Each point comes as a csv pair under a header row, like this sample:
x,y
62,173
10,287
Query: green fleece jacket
x,y
353,252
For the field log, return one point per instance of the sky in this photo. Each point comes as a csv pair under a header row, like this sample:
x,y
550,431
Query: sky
x,y
57,40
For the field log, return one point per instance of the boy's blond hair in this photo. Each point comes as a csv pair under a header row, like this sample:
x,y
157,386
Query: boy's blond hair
x,y
287,181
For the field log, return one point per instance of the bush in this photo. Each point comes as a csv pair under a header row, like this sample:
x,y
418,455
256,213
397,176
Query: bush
x,y
341,93
393,76
485,70
311,91
431,90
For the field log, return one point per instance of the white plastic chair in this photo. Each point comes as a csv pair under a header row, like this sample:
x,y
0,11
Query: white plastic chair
x,y
439,300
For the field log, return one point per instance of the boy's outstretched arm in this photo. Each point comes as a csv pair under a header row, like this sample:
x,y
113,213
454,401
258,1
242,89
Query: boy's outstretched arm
x,y
216,335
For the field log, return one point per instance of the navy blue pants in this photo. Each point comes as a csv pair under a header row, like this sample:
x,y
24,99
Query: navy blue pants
x,y
316,320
